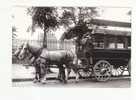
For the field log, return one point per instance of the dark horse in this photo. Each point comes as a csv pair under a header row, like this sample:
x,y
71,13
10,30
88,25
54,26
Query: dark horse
x,y
45,58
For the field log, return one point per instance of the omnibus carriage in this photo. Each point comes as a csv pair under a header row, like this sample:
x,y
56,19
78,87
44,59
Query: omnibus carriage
x,y
111,53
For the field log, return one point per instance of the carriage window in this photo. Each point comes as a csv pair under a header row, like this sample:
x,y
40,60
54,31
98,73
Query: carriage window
x,y
120,45
111,45
120,42
111,42
99,41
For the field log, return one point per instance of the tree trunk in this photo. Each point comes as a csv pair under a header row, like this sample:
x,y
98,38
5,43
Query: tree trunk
x,y
45,45
45,38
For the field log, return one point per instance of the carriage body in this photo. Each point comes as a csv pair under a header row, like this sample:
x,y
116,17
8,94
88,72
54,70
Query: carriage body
x,y
112,49
116,57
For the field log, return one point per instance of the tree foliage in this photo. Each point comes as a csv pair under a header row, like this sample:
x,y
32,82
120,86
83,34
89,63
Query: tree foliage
x,y
44,17
74,15
49,18
81,20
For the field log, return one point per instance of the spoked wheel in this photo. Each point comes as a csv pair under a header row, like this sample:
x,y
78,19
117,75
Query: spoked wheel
x,y
117,71
120,71
102,70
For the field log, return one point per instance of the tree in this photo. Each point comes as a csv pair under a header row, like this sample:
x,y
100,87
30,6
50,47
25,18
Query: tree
x,y
48,18
44,17
81,21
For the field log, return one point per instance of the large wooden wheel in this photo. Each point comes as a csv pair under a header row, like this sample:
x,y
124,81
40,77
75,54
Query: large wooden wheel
x,y
117,70
102,70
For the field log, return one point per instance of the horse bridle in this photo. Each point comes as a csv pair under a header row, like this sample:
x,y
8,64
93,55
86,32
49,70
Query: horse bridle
x,y
27,52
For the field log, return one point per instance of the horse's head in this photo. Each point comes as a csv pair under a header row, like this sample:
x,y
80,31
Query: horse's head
x,y
18,50
24,51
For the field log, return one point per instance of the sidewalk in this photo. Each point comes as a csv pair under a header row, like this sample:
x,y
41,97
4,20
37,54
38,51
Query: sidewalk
x,y
20,71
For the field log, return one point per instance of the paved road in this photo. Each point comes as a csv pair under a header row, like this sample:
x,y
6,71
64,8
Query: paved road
x,y
115,83
20,72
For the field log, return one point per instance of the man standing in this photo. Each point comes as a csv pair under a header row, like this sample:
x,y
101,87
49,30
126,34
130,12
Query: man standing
x,y
87,47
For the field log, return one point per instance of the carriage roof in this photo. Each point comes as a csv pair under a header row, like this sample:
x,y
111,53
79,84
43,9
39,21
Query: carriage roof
x,y
105,31
102,22
115,24
112,32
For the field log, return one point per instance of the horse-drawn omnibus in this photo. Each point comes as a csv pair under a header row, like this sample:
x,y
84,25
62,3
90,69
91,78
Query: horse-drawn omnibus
x,y
101,53
111,52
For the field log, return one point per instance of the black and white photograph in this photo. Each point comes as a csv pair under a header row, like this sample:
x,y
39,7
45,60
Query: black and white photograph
x,y
77,46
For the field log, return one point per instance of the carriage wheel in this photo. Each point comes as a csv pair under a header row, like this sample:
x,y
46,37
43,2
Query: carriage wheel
x,y
117,71
102,70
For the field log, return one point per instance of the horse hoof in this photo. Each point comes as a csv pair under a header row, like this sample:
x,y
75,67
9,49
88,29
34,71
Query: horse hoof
x,y
65,82
43,82
60,80
35,81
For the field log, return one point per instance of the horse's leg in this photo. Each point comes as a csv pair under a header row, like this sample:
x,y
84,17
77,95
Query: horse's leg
x,y
35,78
68,73
77,77
67,70
43,71
43,81
37,74
62,72
37,70
59,73
75,69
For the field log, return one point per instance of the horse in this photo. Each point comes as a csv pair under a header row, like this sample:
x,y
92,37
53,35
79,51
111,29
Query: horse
x,y
35,51
44,58
60,58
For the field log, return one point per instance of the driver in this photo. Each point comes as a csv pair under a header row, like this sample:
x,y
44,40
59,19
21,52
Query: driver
x,y
87,47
